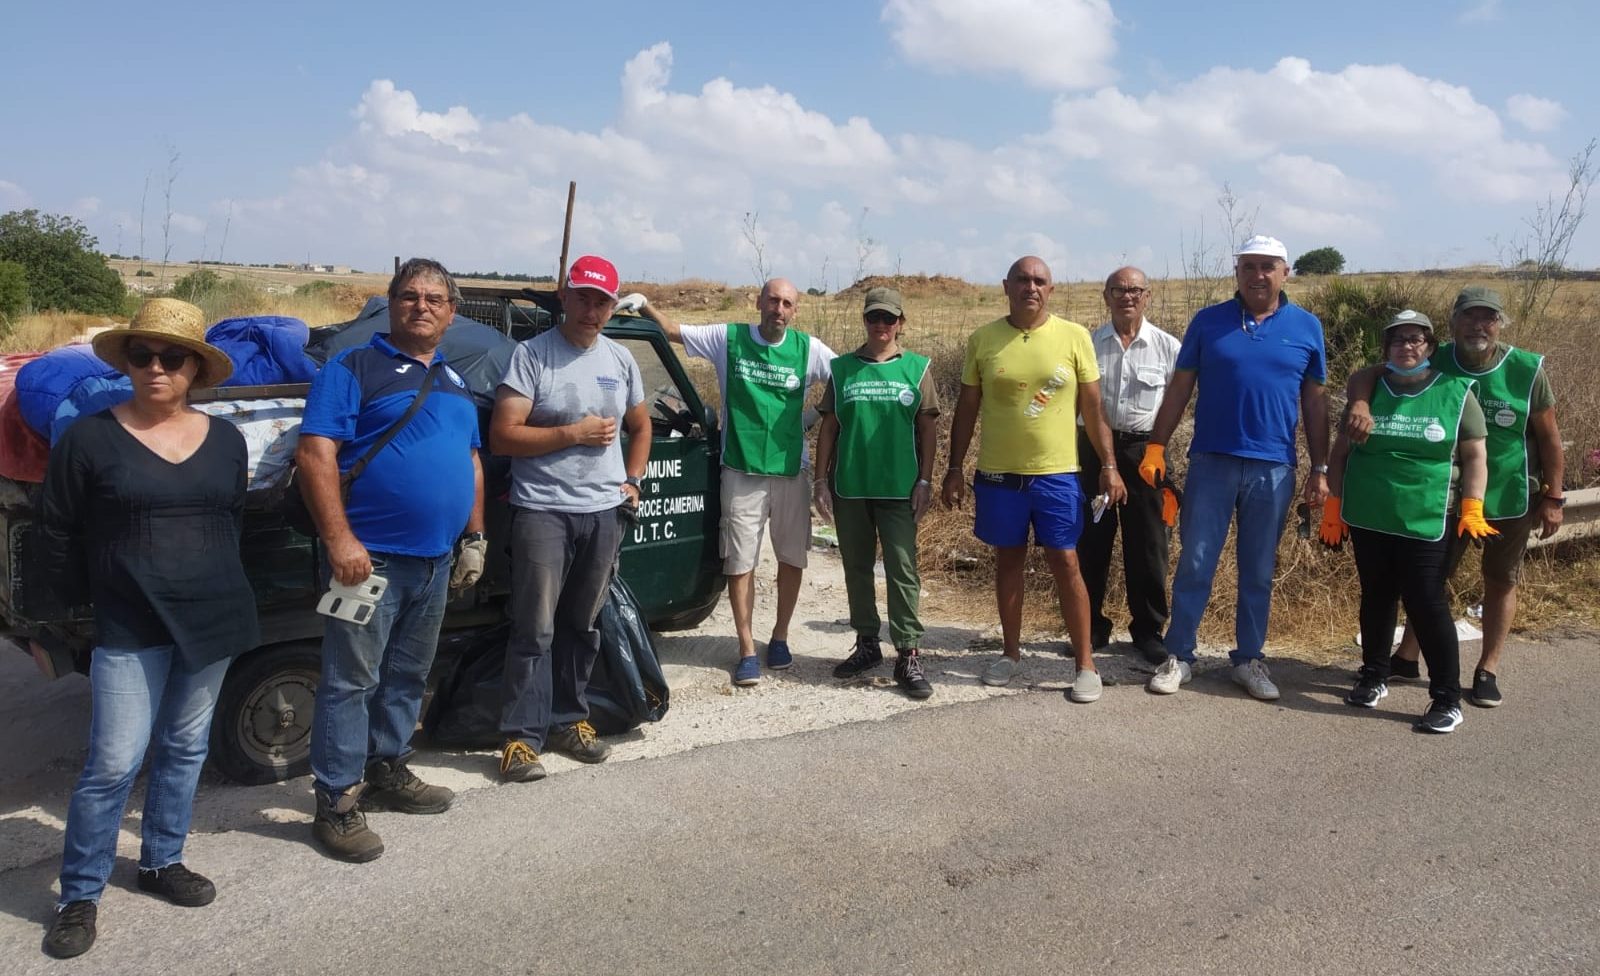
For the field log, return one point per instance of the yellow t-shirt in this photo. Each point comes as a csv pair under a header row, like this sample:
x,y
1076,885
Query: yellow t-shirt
x,y
1030,394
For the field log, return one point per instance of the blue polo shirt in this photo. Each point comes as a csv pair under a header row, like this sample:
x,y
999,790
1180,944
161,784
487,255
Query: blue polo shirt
x,y
416,495
1249,375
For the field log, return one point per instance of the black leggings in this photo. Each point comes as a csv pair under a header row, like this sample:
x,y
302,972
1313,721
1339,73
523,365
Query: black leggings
x,y
1395,569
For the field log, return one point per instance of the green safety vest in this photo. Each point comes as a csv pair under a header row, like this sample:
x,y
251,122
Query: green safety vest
x,y
877,405
1398,481
1504,392
766,392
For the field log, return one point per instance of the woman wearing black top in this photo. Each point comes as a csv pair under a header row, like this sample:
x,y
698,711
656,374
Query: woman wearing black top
x,y
142,503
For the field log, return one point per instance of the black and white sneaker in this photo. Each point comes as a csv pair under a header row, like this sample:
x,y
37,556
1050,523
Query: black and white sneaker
x,y
1441,717
1369,690
1485,690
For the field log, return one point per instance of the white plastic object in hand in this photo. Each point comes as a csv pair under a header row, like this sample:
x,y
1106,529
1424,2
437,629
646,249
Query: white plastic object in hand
x,y
630,303
353,603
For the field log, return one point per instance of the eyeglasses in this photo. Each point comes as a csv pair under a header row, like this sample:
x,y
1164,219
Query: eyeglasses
x,y
1411,340
435,302
1117,291
882,318
172,360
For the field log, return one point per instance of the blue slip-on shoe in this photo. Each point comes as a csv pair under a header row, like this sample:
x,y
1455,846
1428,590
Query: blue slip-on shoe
x,y
778,656
748,672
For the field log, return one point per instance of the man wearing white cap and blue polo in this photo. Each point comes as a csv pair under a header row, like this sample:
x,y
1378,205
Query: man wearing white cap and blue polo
x,y
1259,362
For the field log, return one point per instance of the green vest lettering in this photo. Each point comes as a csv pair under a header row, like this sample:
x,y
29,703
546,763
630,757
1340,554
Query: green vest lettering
x,y
765,396
1504,391
1398,482
877,405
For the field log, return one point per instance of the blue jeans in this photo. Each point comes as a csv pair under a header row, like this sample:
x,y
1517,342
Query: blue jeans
x,y
1218,487
373,674
139,698
561,568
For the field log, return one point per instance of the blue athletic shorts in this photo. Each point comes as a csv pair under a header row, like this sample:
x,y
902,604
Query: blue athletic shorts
x,y
1008,504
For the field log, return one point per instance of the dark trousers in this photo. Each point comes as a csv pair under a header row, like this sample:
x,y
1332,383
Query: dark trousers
x,y
561,566
1409,571
1145,539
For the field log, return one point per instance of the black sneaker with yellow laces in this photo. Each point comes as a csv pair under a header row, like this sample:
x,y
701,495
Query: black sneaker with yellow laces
x,y
519,763
579,741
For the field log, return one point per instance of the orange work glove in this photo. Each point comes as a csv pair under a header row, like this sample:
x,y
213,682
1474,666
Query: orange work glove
x,y
1472,522
1333,531
1154,466
1169,505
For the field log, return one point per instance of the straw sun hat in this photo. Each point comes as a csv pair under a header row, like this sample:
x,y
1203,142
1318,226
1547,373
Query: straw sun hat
x,y
171,321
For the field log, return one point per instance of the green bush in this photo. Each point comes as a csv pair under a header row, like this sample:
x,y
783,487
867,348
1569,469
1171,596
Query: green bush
x,y
13,289
58,255
196,285
144,273
1354,313
1322,261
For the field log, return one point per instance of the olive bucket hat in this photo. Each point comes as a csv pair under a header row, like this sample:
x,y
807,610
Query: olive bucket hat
x,y
168,320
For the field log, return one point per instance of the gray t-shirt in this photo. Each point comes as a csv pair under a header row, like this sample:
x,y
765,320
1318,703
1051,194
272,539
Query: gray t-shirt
x,y
567,384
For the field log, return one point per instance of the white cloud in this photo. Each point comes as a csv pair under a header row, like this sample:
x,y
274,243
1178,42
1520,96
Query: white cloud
x,y
85,207
13,197
1060,44
1534,113
393,113
1480,12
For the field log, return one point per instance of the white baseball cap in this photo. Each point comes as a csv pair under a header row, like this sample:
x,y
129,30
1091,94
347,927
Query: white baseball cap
x,y
1262,244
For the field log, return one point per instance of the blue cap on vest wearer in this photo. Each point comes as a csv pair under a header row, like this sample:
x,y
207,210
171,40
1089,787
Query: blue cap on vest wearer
x,y
593,271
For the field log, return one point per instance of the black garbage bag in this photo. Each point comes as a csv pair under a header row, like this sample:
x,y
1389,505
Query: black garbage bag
x,y
626,689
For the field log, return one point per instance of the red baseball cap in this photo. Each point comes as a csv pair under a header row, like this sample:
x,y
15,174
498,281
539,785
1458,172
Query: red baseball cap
x,y
593,271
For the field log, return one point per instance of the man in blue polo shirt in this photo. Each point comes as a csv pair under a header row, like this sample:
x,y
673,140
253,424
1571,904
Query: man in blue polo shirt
x,y
401,521
1259,362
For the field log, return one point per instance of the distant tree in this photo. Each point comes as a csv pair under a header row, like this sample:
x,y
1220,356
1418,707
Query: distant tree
x,y
1322,261
13,291
63,269
196,285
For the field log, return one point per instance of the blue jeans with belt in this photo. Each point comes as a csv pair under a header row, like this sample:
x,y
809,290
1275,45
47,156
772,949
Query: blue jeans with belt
x,y
141,699
1218,487
373,674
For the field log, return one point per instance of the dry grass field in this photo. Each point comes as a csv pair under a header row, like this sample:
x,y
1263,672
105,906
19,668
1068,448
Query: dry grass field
x,y
1316,594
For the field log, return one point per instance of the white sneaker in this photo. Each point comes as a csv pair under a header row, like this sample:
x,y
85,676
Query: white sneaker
x,y
1170,676
1000,672
1252,676
1085,687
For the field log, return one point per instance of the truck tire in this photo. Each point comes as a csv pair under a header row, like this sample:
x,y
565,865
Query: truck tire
x,y
261,732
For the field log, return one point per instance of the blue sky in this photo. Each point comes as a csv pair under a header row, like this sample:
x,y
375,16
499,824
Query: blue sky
x,y
936,136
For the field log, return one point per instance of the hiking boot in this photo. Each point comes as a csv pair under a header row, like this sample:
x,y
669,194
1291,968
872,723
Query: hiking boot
x,y
1085,687
391,785
519,763
72,932
1401,669
908,675
579,741
1440,718
178,885
341,829
866,655
1485,690
1254,677
1369,690
1173,674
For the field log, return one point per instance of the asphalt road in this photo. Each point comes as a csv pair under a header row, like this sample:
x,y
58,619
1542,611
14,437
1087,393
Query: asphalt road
x,y
1205,833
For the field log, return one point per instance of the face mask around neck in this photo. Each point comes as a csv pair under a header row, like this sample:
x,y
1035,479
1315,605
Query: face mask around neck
x,y
1413,371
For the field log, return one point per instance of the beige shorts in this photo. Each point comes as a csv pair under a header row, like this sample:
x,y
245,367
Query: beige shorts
x,y
749,502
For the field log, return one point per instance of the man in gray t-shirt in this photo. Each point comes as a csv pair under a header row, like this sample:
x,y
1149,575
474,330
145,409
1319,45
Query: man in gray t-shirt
x,y
556,415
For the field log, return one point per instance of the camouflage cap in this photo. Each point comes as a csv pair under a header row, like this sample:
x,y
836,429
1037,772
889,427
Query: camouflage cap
x,y
1477,296
885,300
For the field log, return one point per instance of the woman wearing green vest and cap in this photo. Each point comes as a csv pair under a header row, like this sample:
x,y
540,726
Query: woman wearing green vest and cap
x,y
1393,493
874,456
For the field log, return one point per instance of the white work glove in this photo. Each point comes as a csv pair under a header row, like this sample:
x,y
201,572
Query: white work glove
x,y
469,564
630,304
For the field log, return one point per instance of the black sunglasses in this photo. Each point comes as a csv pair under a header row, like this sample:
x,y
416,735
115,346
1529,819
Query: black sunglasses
x,y
172,360
882,318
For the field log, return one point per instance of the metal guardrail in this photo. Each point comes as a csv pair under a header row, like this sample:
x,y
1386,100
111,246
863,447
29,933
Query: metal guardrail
x,y
1580,519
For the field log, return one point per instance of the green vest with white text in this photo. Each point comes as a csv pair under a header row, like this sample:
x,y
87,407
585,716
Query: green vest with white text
x,y
765,395
877,405
1398,481
1504,391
